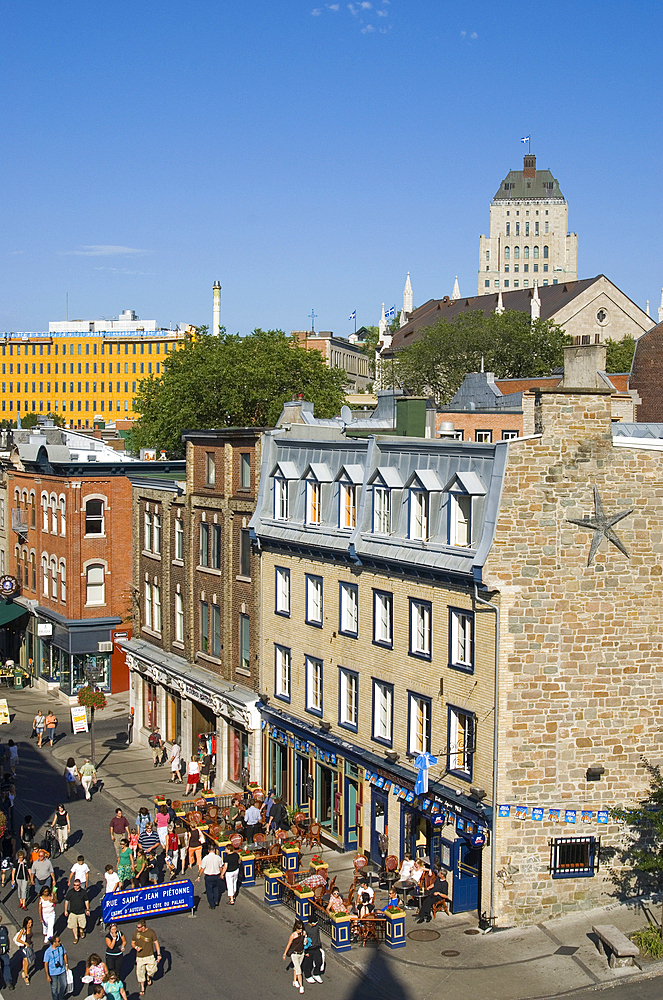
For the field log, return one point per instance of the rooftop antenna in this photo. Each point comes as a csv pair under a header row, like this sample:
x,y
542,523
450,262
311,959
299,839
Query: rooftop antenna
x,y
313,319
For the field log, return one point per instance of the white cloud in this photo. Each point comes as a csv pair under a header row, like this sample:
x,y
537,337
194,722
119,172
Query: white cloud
x,y
333,6
15,253
102,250
317,12
383,13
367,30
351,8
365,5
462,34
474,35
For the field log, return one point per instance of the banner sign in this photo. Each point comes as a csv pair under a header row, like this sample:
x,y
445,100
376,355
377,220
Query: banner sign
x,y
4,711
133,903
79,718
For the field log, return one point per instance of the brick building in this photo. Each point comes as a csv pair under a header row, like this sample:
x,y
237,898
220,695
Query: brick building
x,y
646,375
194,652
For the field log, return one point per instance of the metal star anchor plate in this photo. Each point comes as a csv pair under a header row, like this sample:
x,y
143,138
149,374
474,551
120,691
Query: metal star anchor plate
x,y
602,526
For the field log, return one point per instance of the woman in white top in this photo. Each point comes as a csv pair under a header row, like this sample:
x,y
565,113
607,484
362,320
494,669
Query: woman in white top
x,y
193,776
46,913
175,758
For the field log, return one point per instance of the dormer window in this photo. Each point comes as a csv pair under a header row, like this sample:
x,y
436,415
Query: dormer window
x,y
383,481
349,479
464,489
316,474
281,475
421,484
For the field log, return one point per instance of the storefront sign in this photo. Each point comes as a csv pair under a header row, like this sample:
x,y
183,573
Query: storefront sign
x,y
44,629
79,718
170,898
478,840
4,711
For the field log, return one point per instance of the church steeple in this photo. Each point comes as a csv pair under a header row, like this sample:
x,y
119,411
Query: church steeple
x,y
455,295
660,309
382,325
535,304
407,301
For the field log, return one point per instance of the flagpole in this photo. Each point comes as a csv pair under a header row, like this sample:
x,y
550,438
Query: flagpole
x,y
355,320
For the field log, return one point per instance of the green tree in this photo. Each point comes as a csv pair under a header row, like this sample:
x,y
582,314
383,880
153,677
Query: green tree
x,y
231,381
32,419
619,354
641,861
510,345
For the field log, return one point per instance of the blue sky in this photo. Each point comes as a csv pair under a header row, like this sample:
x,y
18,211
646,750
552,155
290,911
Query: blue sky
x,y
308,156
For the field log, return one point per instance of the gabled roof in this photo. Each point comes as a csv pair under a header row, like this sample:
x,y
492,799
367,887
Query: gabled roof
x,y
427,479
389,476
288,470
319,471
469,483
355,473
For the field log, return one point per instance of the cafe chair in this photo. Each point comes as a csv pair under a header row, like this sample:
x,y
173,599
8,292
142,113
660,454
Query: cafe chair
x,y
313,835
440,904
237,840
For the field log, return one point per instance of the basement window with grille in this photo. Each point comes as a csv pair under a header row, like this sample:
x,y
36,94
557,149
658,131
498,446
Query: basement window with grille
x,y
574,857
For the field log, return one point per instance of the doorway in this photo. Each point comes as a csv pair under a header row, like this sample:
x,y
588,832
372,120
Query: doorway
x,y
278,770
352,810
379,823
203,720
466,875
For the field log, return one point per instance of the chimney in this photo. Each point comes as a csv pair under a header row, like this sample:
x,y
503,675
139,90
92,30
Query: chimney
x,y
529,165
582,365
216,310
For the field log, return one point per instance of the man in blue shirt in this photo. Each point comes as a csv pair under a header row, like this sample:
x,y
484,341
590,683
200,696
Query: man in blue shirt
x,y
55,966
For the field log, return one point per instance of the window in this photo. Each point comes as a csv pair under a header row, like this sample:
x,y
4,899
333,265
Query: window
x,y
420,628
156,601
381,510
244,553
313,502
348,610
419,713
32,508
44,511
94,517
54,515
179,538
147,544
487,283
313,685
95,585
215,555
460,527
44,572
506,283
516,253
282,672
517,229
281,506
33,570
509,435
508,229
483,437
536,228
461,639
507,252
536,252
383,712
216,631
148,605
487,255
63,580
574,857
348,698
383,624
527,229
545,228
204,544
156,546
179,618
545,253
204,626
418,514
282,591
348,505
245,471
244,638
460,742
54,578
210,466
526,253
63,516
314,600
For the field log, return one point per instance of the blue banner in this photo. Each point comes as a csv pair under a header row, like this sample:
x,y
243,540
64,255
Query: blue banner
x,y
129,904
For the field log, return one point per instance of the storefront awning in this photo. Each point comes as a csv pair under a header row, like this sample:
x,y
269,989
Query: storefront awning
x,y
10,611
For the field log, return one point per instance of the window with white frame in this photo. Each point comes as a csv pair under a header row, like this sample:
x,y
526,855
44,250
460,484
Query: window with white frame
x,y
156,540
282,672
282,588
245,470
147,537
313,502
314,685
94,516
179,618
179,538
420,628
63,580
44,512
281,505
156,602
460,749
419,504
348,698
95,584
54,514
348,623
348,505
244,642
148,604
44,573
483,436
419,724
210,468
63,516
383,618
381,510
313,600
54,578
461,639
216,630
383,711
460,520
204,544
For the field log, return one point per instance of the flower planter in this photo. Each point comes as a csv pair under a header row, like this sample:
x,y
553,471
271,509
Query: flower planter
x,y
248,870
290,859
303,899
273,887
340,932
322,866
395,929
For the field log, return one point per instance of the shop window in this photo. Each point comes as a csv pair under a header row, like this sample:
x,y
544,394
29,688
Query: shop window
x,y
179,538
281,505
383,618
94,517
282,672
173,718
238,753
348,623
210,469
461,639
204,626
216,546
216,631
383,712
149,705
314,606
313,685
348,698
282,591
245,471
204,544
179,618
574,857
420,628
244,642
419,727
245,553
381,510
460,742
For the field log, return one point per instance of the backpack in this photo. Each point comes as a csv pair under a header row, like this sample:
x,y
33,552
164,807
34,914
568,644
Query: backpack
x,y
153,740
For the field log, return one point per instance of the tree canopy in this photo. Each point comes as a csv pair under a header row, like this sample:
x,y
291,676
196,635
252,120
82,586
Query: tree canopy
x,y
29,420
231,381
510,345
619,354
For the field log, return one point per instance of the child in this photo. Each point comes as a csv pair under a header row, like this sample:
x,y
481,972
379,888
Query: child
x,y
79,871
111,878
133,840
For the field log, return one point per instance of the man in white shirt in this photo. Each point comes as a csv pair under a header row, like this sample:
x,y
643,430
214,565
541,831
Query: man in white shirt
x,y
252,821
175,757
112,879
364,889
79,871
211,866
407,865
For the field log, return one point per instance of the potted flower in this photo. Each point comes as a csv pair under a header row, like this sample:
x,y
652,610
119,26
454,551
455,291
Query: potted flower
x,y
395,926
273,885
290,855
341,925
317,864
248,860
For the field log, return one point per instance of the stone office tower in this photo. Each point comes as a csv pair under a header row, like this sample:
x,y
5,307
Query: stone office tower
x,y
529,242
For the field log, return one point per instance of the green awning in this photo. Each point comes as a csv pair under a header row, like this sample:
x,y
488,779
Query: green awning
x,y
9,611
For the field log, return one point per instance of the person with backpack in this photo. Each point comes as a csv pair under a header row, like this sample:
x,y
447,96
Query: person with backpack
x,y
313,963
157,746
4,958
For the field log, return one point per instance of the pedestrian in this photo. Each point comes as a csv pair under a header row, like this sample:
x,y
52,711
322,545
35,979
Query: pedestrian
x,y
38,724
149,840
175,761
192,776
62,827
71,775
23,941
125,862
231,873
294,950
56,966
172,815
157,866
111,880
279,816
141,869
145,942
252,821
50,725
212,869
195,847
88,776
4,957
206,771
312,964
162,819
142,819
268,804
96,968
47,913
133,840
157,746
7,851
172,851
41,872
115,945
28,834
21,879
13,757
77,909
114,987
119,829
81,871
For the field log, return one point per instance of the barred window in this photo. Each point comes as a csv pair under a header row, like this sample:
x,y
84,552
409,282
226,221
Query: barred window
x,y
574,857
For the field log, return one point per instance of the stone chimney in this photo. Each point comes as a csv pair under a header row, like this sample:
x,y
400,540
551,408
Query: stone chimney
x,y
529,165
582,365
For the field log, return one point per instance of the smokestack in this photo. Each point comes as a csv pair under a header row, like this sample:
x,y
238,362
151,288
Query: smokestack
x,y
216,312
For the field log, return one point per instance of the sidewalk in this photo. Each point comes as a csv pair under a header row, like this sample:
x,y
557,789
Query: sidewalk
x,y
552,957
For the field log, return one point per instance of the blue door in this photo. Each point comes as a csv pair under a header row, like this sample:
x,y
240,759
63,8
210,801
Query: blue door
x,y
466,871
378,823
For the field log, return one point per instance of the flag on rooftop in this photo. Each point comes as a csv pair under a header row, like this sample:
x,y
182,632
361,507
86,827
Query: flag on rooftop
x,y
525,138
353,315
390,313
